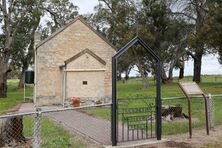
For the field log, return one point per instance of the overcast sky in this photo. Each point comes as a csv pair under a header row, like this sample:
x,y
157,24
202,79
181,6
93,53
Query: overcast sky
x,y
85,6
210,64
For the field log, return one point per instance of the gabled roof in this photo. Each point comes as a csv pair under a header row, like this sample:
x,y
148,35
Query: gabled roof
x,y
72,22
84,52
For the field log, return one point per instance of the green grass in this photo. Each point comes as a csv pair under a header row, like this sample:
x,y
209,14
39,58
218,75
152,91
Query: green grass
x,y
52,134
102,113
133,89
14,96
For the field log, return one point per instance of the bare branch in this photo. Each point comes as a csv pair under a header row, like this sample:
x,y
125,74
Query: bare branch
x,y
108,5
55,18
184,14
5,14
191,54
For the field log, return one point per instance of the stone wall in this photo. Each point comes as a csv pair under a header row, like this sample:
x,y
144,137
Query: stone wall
x,y
65,44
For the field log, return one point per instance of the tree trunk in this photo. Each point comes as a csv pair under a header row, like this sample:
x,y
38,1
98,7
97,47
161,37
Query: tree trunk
x,y
11,130
181,74
163,75
197,67
3,79
126,75
199,49
170,74
21,82
220,55
119,77
143,74
22,77
145,81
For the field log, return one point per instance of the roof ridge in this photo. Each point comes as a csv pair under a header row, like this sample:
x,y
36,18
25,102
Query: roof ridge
x,y
70,23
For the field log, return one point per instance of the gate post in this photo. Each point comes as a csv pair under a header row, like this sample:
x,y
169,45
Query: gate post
x,y
37,129
158,103
114,107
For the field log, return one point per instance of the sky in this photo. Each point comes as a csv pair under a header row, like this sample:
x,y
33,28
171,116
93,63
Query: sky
x,y
210,64
85,6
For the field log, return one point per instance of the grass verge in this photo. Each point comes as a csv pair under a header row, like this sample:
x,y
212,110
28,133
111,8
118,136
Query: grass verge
x,y
52,134
14,96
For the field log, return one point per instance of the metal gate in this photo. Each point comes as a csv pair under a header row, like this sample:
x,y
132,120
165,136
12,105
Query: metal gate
x,y
136,123
126,113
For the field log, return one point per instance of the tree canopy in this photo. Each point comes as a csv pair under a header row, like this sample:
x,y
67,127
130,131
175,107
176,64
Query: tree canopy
x,y
19,20
175,29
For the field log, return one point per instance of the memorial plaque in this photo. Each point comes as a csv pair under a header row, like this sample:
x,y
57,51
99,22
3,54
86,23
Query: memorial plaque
x,y
191,88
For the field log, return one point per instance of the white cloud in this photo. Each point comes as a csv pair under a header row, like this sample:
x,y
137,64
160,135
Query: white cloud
x,y
210,65
85,6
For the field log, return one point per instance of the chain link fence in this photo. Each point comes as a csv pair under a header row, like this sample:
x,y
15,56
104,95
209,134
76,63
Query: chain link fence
x,y
17,130
65,127
75,127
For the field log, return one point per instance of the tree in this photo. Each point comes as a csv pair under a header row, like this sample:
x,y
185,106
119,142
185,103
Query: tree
x,y
196,13
213,28
114,19
60,13
168,33
11,16
23,47
19,21
156,26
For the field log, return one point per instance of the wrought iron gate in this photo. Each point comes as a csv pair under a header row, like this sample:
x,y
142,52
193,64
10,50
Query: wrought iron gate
x,y
136,123
115,125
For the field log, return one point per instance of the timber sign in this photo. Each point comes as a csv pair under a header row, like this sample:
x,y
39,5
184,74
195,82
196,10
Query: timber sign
x,y
190,89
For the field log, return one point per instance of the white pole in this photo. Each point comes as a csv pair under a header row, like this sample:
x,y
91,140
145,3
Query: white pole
x,y
63,88
64,85
37,40
35,77
24,92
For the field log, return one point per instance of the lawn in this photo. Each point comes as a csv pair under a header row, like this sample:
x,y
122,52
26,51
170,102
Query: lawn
x,y
52,135
14,96
132,89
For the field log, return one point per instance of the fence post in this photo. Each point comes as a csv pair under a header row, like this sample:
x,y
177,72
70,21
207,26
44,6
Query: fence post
x,y
37,129
210,112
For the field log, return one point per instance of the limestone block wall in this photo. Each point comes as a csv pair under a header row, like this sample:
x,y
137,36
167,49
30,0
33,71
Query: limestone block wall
x,y
66,43
94,87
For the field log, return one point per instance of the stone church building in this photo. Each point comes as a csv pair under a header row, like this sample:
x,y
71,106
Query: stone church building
x,y
75,61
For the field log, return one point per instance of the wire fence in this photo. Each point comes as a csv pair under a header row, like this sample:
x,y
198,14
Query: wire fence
x,y
15,133
175,117
56,128
204,78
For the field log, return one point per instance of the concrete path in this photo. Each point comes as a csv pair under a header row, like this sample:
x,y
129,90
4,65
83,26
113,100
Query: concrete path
x,y
93,128
98,130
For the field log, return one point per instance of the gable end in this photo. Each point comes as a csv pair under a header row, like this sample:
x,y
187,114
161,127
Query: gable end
x,y
85,23
84,52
